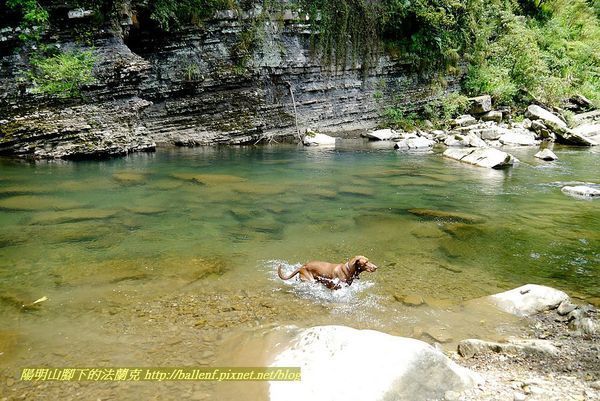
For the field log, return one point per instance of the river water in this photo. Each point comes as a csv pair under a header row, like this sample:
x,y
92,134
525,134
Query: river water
x,y
169,258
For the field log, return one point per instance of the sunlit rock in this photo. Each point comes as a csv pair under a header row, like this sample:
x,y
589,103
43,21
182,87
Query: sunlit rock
x,y
316,139
546,154
416,142
582,191
342,363
489,157
528,299
382,135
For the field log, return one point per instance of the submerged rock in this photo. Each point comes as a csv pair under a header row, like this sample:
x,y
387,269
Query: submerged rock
x,y
129,178
30,202
446,215
546,154
371,366
382,135
70,216
489,157
209,179
581,191
528,299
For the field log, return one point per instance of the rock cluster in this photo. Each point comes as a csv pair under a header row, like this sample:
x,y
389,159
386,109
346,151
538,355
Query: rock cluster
x,y
480,135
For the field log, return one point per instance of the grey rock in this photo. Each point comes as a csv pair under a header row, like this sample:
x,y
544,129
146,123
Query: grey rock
x,y
585,326
489,157
495,116
542,131
464,121
581,191
535,112
518,137
587,118
546,154
480,104
472,347
414,143
464,140
528,300
382,135
565,308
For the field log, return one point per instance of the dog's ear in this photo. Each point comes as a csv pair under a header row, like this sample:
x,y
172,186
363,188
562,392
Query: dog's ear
x,y
352,262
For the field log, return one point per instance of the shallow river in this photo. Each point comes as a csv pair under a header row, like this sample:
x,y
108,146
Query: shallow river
x,y
168,259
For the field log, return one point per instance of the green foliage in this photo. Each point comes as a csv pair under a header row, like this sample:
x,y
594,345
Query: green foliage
x,y
398,117
173,13
63,74
446,107
431,34
346,31
520,58
35,18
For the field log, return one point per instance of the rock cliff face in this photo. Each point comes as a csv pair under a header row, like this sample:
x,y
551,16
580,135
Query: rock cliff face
x,y
191,86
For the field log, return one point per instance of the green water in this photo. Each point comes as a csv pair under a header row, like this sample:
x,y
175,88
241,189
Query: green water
x,y
104,240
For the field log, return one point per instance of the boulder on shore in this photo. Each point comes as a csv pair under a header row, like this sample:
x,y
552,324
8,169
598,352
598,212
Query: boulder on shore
x,y
518,137
464,121
528,299
495,116
488,157
345,364
413,143
535,112
469,139
316,139
481,104
382,135
472,347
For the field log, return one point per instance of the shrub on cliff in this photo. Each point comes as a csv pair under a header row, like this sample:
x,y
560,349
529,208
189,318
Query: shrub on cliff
x,y
62,74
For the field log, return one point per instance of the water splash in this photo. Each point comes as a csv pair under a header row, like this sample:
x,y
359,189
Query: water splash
x,y
318,292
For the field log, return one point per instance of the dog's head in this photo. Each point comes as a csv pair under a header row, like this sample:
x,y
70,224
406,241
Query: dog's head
x,y
362,264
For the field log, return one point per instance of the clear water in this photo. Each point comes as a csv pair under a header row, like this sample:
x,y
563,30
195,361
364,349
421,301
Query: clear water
x,y
169,258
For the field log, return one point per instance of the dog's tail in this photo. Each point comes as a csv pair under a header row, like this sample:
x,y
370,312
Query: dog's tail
x,y
281,276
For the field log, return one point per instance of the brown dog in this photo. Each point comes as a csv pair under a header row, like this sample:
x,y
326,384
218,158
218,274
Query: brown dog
x,y
332,275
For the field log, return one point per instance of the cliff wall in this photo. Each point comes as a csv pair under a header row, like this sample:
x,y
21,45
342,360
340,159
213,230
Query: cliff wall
x,y
194,86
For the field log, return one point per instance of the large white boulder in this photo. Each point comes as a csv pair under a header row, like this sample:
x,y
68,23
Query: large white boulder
x,y
535,112
382,135
316,139
488,157
518,137
344,364
528,299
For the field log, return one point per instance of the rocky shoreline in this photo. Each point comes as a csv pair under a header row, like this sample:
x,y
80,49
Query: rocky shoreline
x,y
559,361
